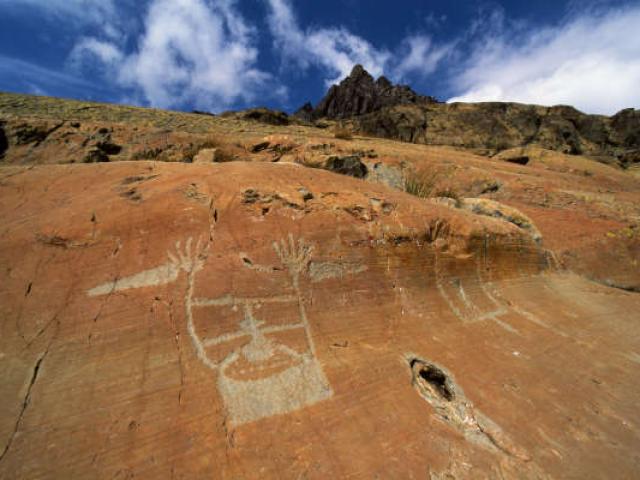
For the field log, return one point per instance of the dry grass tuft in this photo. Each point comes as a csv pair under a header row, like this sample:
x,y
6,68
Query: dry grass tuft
x,y
423,185
420,184
342,133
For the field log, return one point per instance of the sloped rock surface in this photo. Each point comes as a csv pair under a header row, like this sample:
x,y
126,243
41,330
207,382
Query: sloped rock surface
x,y
328,328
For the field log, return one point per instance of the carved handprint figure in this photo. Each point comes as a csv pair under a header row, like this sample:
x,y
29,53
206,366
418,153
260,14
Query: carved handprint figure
x,y
187,259
295,256
259,347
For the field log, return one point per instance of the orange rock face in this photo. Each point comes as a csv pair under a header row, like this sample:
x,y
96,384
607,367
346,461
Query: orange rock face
x,y
265,320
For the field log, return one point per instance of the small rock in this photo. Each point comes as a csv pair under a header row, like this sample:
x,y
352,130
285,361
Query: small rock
x,y
348,165
206,155
95,155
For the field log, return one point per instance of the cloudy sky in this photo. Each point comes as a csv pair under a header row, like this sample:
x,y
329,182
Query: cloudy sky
x,y
221,54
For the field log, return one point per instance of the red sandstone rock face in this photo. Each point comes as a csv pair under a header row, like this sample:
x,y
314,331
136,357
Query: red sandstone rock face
x,y
247,320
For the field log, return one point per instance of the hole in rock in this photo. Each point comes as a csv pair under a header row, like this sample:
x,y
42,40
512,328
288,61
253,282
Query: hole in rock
x,y
519,160
432,378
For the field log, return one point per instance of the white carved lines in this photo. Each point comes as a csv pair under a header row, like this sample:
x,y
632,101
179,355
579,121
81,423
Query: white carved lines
x,y
263,373
468,306
294,256
265,362
481,301
164,274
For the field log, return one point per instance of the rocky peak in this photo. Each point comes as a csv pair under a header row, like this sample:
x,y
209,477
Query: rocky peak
x,y
305,112
359,94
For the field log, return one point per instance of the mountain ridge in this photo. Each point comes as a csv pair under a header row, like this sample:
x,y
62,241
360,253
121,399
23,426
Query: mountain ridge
x,y
379,108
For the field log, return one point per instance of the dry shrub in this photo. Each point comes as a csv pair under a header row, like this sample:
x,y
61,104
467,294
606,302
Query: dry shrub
x,y
343,133
147,154
423,185
212,141
420,184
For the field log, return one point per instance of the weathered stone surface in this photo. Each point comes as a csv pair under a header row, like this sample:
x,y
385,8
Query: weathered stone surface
x,y
325,328
587,212
491,208
406,123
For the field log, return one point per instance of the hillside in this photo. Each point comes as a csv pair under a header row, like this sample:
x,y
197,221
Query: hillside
x,y
195,296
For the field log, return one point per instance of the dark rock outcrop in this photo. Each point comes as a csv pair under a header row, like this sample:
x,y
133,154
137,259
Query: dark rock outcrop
x,y
266,115
30,133
202,112
492,127
360,94
379,108
4,144
349,165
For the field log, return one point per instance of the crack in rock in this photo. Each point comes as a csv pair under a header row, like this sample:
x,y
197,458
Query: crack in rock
x,y
25,403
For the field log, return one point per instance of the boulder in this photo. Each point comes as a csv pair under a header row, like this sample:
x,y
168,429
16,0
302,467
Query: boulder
x,y
347,165
491,208
206,155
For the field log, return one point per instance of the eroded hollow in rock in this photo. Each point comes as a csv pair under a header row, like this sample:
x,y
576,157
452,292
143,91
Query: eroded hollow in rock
x,y
432,378
4,144
523,160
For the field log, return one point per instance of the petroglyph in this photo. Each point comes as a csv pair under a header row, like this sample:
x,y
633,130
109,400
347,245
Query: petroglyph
x,y
262,373
481,300
469,305
261,348
319,271
494,294
162,275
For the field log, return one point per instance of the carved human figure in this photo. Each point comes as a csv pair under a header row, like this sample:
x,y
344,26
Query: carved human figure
x,y
263,367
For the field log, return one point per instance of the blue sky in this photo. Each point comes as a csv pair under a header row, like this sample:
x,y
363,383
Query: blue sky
x,y
221,54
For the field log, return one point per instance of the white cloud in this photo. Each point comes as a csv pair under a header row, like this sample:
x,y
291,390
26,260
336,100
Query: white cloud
x,y
591,61
33,74
78,12
420,56
190,52
26,77
335,49
105,52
